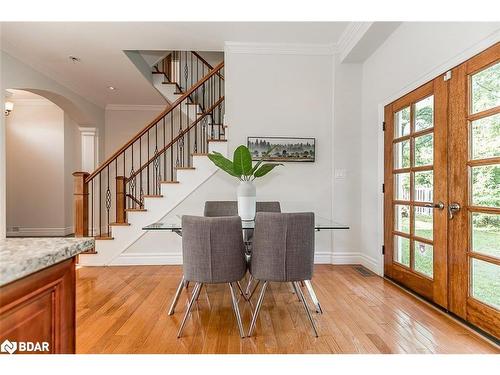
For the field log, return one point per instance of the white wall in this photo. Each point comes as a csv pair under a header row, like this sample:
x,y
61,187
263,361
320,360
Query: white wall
x,y
35,168
72,163
415,53
267,96
347,163
122,122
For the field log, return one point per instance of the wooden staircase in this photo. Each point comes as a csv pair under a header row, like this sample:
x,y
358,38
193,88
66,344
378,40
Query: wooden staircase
x,y
151,161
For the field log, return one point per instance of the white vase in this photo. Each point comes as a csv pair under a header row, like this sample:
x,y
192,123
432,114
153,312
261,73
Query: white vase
x,y
246,200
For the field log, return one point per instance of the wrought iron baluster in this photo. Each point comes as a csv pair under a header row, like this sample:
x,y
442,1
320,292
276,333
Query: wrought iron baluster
x,y
171,147
108,202
100,203
185,70
156,163
141,190
204,133
147,187
92,209
164,151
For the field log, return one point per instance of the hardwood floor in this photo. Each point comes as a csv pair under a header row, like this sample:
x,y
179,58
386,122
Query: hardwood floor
x,y
124,310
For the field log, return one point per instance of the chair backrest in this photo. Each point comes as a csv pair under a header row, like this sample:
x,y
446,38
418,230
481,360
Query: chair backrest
x,y
268,207
213,249
283,246
230,208
220,208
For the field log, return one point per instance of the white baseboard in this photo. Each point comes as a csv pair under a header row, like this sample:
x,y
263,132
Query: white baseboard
x,y
155,259
39,232
323,257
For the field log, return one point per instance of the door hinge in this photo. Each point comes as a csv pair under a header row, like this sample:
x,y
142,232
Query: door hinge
x,y
383,126
383,249
383,188
447,75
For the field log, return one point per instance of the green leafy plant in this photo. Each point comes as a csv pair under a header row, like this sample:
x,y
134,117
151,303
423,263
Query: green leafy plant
x,y
241,166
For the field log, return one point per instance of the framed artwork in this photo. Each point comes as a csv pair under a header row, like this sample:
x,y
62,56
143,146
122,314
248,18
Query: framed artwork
x,y
284,149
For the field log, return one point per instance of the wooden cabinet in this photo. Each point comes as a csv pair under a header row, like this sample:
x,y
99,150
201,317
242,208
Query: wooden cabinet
x,y
40,308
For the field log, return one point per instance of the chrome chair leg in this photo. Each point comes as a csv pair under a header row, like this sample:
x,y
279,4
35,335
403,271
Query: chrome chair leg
x,y
236,311
250,279
295,291
257,309
241,291
196,292
253,290
312,294
176,297
304,303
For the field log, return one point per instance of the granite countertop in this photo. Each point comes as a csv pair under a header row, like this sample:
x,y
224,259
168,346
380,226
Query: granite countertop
x,y
20,257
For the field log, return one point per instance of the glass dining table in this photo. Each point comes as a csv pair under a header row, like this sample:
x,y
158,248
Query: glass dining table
x,y
175,225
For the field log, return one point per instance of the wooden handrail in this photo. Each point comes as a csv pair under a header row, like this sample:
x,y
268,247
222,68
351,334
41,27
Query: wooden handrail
x,y
172,142
157,119
206,63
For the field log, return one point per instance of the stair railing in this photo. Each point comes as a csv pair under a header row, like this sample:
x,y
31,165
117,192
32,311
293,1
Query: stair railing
x,y
152,157
184,69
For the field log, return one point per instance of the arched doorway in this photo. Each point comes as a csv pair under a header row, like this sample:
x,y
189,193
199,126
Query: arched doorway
x,y
43,148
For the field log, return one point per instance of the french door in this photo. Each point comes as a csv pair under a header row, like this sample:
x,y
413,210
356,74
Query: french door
x,y
442,190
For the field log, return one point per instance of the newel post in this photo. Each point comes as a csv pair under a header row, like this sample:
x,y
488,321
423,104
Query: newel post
x,y
120,199
81,204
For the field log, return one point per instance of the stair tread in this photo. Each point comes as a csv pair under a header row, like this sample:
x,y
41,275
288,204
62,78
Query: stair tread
x,y
153,196
169,182
185,168
217,140
119,224
104,237
135,209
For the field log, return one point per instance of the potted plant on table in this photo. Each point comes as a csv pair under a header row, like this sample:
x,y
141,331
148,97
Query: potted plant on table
x,y
241,167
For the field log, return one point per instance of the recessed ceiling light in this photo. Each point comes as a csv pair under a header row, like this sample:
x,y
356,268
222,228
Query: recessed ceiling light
x,y
112,88
74,59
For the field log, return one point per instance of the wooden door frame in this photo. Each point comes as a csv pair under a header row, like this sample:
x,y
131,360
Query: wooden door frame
x,y
435,289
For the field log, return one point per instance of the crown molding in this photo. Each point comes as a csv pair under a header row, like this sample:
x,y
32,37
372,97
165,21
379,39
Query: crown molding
x,y
135,107
351,36
280,48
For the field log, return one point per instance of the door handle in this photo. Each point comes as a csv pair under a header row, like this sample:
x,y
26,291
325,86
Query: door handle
x,y
439,205
453,208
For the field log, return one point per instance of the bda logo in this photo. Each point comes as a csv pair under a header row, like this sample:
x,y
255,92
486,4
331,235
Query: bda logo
x,y
8,347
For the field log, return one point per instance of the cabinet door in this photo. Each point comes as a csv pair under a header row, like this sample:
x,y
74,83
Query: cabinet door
x,y
41,308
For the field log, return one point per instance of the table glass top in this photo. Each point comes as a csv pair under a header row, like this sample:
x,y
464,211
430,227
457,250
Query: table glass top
x,y
175,224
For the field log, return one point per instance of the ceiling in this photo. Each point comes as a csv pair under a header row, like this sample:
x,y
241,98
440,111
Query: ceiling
x,y
46,46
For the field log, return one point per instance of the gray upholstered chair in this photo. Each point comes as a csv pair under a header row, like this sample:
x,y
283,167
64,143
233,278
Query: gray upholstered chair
x,y
212,253
283,251
220,208
268,207
230,208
